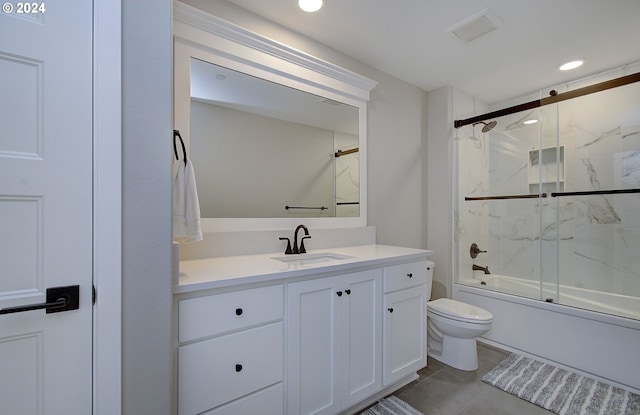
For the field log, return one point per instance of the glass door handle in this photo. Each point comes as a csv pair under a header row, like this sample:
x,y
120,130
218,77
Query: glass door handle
x,y
58,299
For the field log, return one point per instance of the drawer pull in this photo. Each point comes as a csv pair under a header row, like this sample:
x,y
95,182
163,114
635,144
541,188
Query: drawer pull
x,y
348,292
390,309
238,311
410,275
238,367
339,293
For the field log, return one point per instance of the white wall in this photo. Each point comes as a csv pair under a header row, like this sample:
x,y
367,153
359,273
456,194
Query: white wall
x,y
146,207
439,215
396,150
251,166
396,131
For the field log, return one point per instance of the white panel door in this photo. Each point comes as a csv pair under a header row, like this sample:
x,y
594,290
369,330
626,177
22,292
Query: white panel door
x,y
45,205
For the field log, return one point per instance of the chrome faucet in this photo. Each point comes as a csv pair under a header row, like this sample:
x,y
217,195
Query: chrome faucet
x,y
479,268
302,250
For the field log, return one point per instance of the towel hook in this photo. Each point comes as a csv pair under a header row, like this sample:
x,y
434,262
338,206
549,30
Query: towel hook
x,y
176,133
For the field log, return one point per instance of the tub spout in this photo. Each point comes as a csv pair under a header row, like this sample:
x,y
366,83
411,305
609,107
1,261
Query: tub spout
x,y
479,268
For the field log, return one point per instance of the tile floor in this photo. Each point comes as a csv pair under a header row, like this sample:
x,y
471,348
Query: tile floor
x,y
443,390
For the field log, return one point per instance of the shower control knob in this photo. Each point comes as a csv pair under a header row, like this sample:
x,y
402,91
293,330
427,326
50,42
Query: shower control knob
x,y
238,311
339,293
238,367
410,275
390,309
474,250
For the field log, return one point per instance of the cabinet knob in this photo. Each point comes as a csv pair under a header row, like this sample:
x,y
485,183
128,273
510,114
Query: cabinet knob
x,y
339,293
390,309
238,311
238,367
348,292
410,275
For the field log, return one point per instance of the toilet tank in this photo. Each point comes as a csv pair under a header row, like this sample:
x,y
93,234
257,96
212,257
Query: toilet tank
x,y
430,266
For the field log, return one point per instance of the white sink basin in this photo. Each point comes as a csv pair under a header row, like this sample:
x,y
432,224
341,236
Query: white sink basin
x,y
307,259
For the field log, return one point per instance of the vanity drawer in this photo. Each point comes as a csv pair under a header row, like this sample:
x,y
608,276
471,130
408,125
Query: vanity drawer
x,y
399,277
219,370
268,401
220,313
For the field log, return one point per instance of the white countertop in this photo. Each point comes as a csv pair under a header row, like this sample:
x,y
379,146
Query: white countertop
x,y
218,272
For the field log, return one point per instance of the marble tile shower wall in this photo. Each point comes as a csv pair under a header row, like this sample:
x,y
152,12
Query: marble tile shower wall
x,y
588,143
347,185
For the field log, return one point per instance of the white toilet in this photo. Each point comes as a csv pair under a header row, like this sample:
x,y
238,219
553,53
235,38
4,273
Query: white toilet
x,y
452,329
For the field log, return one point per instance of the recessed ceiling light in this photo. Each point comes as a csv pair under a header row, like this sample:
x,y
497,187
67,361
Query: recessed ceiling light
x,y
310,5
530,122
571,65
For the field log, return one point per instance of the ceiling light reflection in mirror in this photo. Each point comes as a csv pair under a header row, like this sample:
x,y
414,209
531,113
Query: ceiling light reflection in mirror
x,y
310,6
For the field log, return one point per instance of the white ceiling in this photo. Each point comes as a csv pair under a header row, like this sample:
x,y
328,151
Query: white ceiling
x,y
409,39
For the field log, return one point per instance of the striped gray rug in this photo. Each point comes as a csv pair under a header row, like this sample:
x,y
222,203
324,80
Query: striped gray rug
x,y
560,391
391,406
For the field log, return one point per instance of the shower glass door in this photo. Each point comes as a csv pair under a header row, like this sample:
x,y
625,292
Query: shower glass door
x,y
552,195
546,167
599,228
499,204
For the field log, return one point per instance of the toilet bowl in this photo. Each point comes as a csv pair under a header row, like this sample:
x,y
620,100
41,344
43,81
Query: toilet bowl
x,y
452,329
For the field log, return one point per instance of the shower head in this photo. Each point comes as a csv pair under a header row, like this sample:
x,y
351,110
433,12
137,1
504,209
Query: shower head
x,y
487,126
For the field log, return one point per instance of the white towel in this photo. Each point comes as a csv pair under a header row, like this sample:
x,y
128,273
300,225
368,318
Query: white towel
x,y
186,209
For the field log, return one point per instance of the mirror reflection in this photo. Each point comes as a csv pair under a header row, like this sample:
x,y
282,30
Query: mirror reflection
x,y
261,149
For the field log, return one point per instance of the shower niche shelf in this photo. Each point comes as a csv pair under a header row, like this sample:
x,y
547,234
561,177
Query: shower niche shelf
x,y
546,169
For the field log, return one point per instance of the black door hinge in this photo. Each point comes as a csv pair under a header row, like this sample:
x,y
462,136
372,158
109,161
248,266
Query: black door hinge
x,y
93,295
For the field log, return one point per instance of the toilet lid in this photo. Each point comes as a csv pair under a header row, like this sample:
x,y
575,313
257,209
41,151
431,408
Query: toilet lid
x,y
459,311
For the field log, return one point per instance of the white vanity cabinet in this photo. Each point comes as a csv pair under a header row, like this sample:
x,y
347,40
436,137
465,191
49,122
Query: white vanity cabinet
x,y
405,320
259,335
231,352
334,342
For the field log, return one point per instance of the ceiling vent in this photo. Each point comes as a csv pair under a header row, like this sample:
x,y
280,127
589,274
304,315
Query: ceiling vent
x,y
474,26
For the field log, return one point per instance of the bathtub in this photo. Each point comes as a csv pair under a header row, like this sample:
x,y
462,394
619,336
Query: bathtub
x,y
615,304
567,332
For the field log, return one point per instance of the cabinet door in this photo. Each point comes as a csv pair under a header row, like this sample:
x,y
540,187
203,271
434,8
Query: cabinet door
x,y
361,332
313,330
405,348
